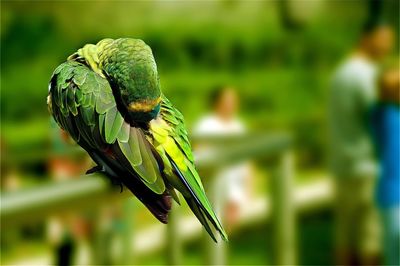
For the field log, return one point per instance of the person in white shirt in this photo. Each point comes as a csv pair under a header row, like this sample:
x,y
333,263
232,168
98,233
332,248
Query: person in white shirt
x,y
223,119
351,96
230,185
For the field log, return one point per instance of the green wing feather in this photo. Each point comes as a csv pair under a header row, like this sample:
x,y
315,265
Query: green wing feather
x,y
175,118
83,105
171,141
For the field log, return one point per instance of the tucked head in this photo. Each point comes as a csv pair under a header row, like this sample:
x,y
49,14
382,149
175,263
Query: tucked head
x,y
130,67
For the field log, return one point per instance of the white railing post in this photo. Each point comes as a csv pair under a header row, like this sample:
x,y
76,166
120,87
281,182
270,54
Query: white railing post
x,y
213,253
174,240
284,211
128,231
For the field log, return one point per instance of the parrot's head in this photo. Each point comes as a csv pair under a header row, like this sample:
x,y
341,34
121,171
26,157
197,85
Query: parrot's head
x,y
130,67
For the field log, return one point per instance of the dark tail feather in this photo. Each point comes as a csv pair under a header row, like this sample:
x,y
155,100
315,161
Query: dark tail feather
x,y
197,208
200,215
158,205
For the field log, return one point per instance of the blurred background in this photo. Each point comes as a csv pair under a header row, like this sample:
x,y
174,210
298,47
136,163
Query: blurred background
x,y
252,80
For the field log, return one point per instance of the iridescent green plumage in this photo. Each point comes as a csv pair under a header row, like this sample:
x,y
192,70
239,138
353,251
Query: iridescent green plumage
x,y
108,97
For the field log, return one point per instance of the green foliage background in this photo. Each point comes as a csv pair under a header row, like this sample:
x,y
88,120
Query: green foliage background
x,y
280,62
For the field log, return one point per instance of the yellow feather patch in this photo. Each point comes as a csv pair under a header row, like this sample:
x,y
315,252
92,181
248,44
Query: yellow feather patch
x,y
161,131
145,105
175,153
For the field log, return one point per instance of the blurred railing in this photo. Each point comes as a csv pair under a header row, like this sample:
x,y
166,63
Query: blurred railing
x,y
26,206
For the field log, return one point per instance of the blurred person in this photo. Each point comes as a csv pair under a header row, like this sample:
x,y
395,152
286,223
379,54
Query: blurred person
x,y
61,165
232,180
352,93
72,235
223,120
230,186
67,234
386,130
60,239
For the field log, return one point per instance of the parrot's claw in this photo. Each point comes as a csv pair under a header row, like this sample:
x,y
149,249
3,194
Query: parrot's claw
x,y
96,169
101,169
114,181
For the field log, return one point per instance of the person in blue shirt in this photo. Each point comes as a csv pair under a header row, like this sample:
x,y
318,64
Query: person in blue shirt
x,y
386,130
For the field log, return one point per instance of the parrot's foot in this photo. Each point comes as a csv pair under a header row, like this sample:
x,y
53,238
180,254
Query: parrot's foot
x,y
102,170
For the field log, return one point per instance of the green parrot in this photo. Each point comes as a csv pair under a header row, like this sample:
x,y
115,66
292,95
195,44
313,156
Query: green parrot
x,y
108,98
